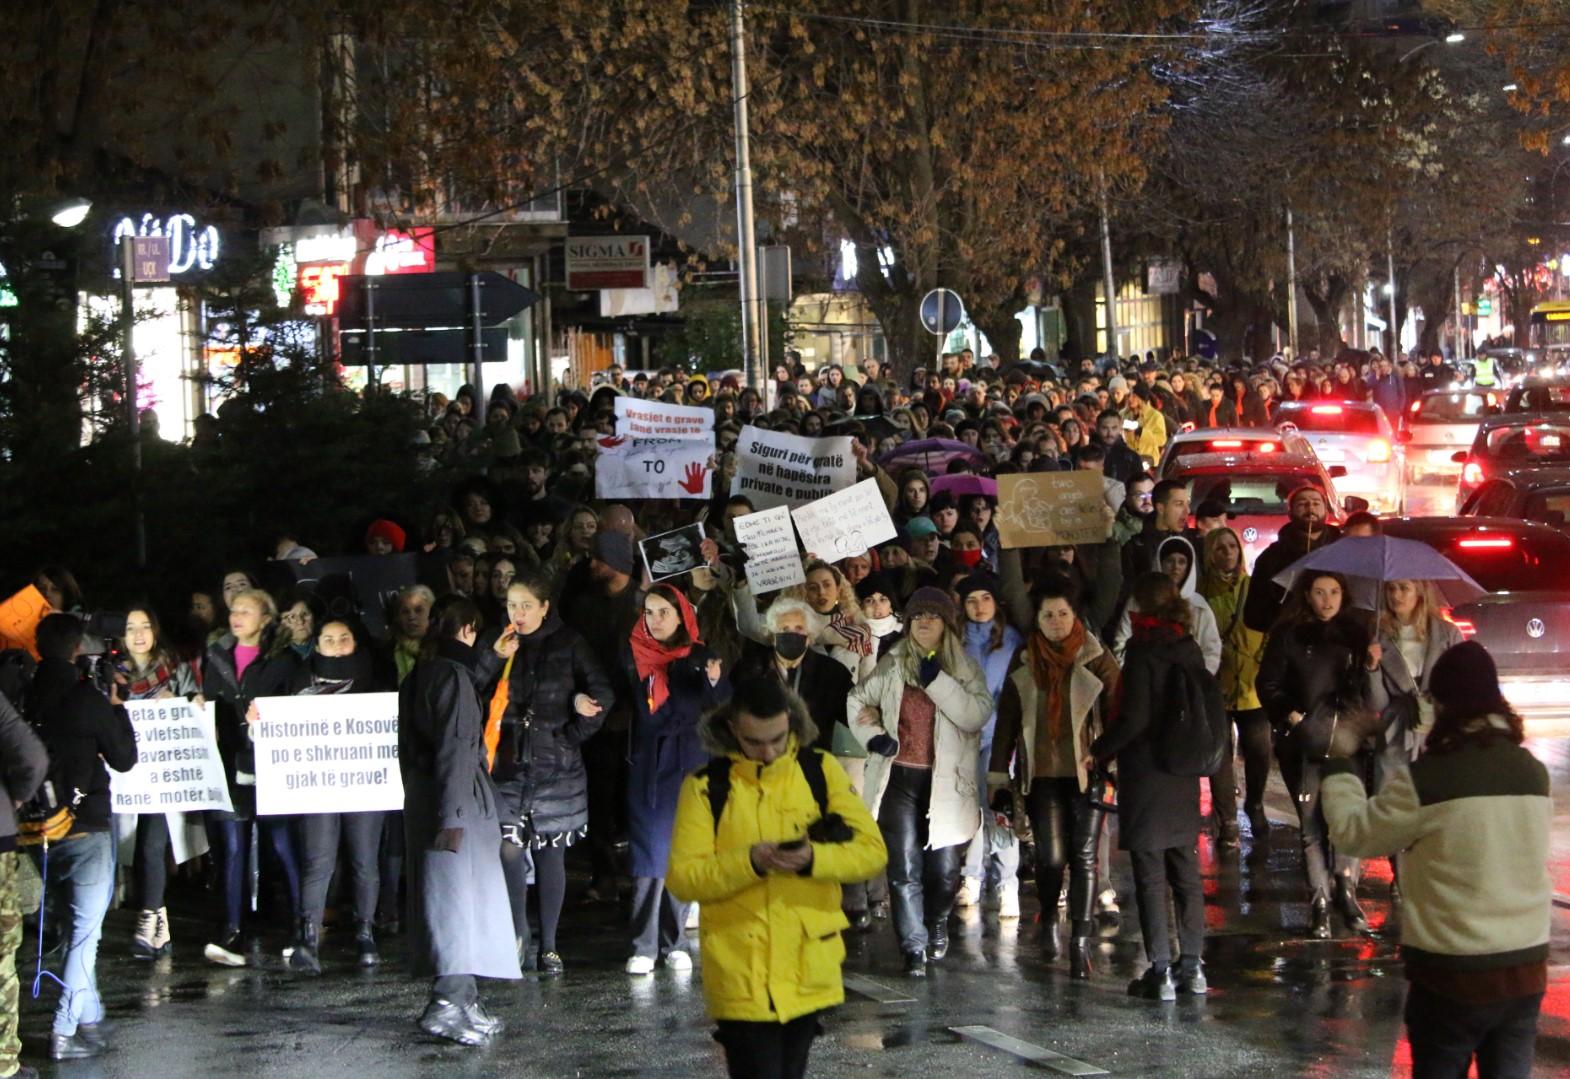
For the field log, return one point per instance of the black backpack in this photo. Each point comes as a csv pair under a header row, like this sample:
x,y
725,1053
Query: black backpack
x,y
810,760
1195,736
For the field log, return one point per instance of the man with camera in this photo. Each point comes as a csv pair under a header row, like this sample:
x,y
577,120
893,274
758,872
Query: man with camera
x,y
767,832
83,730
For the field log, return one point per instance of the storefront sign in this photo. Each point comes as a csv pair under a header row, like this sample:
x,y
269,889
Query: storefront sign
x,y
329,753
191,247
320,287
335,247
402,252
596,262
177,764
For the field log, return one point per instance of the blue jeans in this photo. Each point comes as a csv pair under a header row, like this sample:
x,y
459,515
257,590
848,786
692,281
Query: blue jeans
x,y
230,840
81,869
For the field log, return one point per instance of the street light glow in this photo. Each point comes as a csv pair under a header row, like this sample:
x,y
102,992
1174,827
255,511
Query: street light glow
x,y
1511,88
1455,37
71,213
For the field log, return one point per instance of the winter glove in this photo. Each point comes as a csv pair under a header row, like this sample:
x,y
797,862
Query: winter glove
x,y
883,746
448,839
929,669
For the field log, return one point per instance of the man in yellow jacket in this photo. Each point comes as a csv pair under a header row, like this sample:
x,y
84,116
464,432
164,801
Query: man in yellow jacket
x,y
767,868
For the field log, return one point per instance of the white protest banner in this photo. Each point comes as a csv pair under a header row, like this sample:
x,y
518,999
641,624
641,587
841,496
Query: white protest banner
x,y
774,469
846,522
177,763
652,468
327,753
637,418
770,542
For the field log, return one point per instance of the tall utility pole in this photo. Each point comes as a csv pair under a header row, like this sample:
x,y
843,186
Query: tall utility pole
x,y
1291,286
1390,278
1459,321
1107,285
133,414
752,309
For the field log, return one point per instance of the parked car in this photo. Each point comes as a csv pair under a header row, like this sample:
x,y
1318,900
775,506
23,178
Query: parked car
x,y
1537,396
1527,494
1356,436
1261,440
1512,442
1437,425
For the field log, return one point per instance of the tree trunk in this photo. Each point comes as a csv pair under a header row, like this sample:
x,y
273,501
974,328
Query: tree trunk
x,y
1003,332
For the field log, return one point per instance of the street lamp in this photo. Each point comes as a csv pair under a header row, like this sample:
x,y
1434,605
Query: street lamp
x,y
1455,37
70,213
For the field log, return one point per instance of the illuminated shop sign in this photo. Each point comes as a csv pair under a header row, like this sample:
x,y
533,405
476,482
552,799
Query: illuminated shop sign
x,y
192,246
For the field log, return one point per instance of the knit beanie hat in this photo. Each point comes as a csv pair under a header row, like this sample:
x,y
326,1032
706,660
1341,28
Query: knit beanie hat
x,y
387,530
876,584
979,582
616,550
1466,682
934,601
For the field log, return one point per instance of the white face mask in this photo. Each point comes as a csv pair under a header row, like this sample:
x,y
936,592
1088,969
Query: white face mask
x,y
883,627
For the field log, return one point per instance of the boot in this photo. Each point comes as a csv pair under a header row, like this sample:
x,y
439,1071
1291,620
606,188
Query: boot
x,y
1319,918
1051,942
365,945
1346,903
143,945
915,965
1191,978
1079,958
1154,985
162,942
938,941
304,958
444,1019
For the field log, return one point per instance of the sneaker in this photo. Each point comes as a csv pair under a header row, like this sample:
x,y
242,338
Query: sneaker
x,y
162,942
641,964
1008,905
482,1020
226,951
692,916
677,959
444,1019
1192,981
1153,985
969,893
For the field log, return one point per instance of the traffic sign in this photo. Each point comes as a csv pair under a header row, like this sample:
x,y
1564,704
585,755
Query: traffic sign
x,y
431,301
395,347
149,258
1485,306
942,311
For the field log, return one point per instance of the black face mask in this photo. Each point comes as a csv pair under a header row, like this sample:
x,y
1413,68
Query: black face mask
x,y
790,646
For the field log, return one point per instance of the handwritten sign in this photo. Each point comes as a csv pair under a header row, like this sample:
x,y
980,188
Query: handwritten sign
x,y
1051,509
177,763
637,418
773,562
846,522
329,753
653,468
774,469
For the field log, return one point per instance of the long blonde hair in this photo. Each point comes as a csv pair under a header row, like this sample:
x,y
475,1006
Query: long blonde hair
x,y
1427,607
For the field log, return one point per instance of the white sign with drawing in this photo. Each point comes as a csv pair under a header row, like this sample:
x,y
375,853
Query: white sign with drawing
x,y
846,522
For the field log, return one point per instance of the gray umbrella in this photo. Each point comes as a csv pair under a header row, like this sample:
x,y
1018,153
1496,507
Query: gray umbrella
x,y
1370,561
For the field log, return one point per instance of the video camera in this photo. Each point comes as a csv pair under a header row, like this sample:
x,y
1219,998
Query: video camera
x,y
102,651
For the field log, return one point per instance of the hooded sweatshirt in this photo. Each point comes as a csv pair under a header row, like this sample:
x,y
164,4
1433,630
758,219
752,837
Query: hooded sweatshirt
x,y
1202,621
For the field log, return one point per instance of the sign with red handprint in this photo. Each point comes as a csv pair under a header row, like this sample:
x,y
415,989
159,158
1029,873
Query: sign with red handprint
x,y
654,468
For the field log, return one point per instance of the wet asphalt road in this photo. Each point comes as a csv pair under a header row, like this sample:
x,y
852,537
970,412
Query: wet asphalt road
x,y
1279,1006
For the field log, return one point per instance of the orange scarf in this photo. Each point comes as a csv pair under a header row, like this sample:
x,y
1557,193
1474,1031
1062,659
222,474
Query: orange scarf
x,y
1050,663
493,718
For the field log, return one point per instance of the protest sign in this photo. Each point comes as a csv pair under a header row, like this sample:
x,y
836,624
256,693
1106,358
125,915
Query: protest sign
x,y
637,418
846,522
1050,509
653,468
670,554
774,469
770,542
177,764
327,753
356,585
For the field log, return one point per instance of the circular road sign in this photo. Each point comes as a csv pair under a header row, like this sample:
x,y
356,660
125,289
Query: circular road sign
x,y
941,311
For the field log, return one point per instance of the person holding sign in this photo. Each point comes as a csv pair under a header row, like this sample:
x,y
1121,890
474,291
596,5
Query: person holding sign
x,y
338,665
920,717
679,680
152,673
460,925
551,695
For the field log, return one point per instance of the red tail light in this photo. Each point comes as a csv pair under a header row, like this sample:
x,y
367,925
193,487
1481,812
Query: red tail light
x,y
1468,630
1415,406
1472,474
1326,410
1227,444
1267,447
1378,450
1487,543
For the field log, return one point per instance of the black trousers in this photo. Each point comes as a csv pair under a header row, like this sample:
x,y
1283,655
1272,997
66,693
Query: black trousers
x,y
1155,873
1068,830
605,758
1446,1034
1253,744
320,837
767,1050
151,867
1320,860
922,883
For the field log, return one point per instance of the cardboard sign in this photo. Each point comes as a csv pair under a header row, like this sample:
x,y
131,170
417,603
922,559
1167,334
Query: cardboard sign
x,y
363,585
670,554
774,469
637,418
845,523
1051,509
653,468
773,562
177,764
327,753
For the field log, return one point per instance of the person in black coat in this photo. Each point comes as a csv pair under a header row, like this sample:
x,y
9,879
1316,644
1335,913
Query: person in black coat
x,y
1315,667
459,918
241,667
556,696
820,681
338,664
1306,532
1158,813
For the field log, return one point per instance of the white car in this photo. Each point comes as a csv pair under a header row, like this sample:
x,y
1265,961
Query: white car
x,y
1355,436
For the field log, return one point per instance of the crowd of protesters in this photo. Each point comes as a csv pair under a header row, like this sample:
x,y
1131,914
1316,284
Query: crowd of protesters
x,y
978,700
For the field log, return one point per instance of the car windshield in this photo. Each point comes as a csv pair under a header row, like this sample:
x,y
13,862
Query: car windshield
x,y
1262,492
1449,407
1539,399
1332,419
1504,563
1537,442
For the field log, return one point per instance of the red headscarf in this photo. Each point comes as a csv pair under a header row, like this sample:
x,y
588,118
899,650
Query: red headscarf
x,y
652,657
